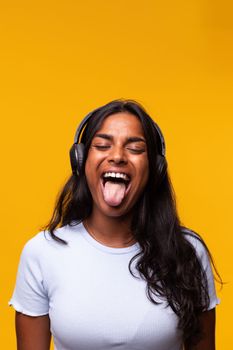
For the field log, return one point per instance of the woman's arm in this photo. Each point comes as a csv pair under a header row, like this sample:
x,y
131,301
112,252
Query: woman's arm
x,y
208,326
33,333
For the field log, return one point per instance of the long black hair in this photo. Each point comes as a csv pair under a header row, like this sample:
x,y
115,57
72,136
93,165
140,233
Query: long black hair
x,y
167,260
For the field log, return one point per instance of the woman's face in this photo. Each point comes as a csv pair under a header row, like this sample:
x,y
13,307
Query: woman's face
x,y
117,166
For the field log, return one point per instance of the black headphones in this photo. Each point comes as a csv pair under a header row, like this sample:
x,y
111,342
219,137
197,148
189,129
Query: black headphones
x,y
77,149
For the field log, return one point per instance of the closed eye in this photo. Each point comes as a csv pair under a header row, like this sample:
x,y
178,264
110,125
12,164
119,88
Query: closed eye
x,y
132,150
101,147
136,150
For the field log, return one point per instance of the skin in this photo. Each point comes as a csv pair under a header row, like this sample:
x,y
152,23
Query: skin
x,y
208,326
118,146
33,333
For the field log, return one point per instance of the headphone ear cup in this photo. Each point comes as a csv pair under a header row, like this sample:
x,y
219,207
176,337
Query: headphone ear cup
x,y
76,157
80,155
161,165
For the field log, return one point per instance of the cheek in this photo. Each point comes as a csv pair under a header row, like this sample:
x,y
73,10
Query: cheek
x,y
145,178
89,172
141,178
90,163
143,168
92,168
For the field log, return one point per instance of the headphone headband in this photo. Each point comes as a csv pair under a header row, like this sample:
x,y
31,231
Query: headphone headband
x,y
82,125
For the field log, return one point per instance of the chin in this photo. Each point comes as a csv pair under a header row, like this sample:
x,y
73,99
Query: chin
x,y
114,212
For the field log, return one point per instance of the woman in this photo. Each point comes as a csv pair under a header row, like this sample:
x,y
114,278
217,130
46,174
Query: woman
x,y
114,267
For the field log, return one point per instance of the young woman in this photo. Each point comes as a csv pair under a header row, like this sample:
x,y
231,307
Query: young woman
x,y
115,269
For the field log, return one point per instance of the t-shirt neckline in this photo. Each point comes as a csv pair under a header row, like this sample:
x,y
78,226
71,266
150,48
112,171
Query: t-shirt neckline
x,y
111,250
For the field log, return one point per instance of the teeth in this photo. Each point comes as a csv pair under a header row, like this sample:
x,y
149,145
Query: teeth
x,y
117,175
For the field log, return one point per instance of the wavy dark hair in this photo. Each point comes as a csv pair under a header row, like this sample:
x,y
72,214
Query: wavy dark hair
x,y
167,260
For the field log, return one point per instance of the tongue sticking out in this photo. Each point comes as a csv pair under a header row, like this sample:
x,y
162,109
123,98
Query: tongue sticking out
x,y
114,193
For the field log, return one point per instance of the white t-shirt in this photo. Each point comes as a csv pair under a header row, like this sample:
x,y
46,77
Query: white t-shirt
x,y
93,301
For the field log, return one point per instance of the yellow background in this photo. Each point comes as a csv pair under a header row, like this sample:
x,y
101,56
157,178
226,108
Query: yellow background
x,y
61,59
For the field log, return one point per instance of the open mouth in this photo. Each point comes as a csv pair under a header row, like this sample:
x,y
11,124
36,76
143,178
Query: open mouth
x,y
115,187
116,178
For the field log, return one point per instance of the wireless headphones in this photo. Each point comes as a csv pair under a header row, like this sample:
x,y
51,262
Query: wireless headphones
x,y
77,149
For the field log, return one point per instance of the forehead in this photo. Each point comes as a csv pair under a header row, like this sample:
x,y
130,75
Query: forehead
x,y
122,123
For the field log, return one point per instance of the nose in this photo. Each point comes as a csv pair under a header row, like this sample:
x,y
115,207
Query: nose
x,y
117,155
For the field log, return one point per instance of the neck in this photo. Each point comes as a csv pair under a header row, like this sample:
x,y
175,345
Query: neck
x,y
111,231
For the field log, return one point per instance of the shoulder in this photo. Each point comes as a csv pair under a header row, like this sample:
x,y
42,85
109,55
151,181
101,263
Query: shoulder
x,y
42,242
196,241
199,246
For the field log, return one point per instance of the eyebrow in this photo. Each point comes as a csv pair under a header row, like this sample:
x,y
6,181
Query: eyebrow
x,y
129,139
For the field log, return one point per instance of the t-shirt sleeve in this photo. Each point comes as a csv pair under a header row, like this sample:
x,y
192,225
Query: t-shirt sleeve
x,y
206,264
30,296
